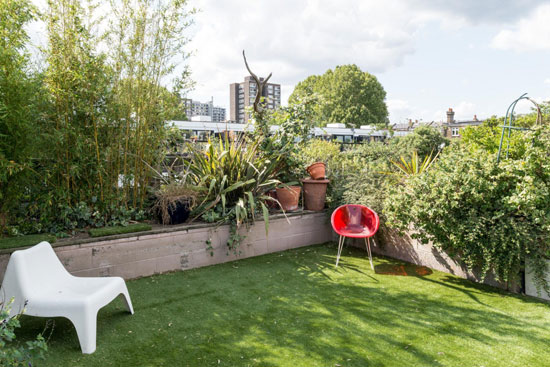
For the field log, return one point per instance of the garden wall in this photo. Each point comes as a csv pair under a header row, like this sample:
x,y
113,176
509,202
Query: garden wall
x,y
390,243
183,247
530,287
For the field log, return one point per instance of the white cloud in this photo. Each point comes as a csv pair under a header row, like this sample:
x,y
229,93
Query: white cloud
x,y
547,81
296,39
530,33
465,110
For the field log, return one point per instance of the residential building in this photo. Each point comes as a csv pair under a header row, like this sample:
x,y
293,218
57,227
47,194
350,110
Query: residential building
x,y
196,108
242,95
451,128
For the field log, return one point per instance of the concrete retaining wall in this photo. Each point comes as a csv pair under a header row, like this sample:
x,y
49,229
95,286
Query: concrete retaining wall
x,y
530,286
390,243
183,247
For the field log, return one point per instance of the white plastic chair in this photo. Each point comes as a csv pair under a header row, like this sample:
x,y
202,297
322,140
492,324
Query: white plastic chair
x,y
36,276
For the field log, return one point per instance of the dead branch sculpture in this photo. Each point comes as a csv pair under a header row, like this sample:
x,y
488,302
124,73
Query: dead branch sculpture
x,y
258,108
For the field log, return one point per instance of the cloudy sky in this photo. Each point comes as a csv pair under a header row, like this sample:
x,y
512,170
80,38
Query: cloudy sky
x,y
474,56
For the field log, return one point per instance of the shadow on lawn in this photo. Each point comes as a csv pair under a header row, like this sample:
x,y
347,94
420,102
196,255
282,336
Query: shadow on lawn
x,y
297,307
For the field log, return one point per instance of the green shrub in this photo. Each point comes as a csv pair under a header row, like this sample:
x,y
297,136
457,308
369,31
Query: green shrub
x,y
486,137
109,231
424,140
490,216
14,355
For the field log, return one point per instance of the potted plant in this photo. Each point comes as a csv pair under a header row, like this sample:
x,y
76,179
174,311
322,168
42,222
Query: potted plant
x,y
174,203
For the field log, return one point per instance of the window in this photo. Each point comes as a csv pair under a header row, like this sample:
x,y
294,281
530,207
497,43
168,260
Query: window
x,y
454,131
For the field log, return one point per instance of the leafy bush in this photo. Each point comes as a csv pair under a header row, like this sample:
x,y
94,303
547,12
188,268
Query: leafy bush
x,y
14,355
490,216
424,140
486,137
367,174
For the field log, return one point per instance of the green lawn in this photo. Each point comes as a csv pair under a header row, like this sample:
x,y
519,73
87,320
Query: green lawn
x,y
296,309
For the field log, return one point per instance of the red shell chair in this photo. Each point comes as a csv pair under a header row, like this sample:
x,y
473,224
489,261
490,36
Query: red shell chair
x,y
354,221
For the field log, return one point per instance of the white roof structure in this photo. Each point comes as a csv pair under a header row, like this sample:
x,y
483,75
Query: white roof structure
x,y
220,127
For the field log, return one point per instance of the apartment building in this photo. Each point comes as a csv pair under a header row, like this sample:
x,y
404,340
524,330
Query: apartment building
x,y
196,108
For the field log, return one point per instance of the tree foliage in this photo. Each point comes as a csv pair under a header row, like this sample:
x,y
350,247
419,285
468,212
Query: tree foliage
x,y
347,95
20,98
78,138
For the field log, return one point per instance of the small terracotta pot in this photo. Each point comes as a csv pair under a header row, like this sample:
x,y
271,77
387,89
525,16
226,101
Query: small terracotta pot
x,y
288,197
315,194
316,171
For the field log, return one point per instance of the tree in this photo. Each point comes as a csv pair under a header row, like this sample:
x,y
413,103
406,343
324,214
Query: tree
x,y
19,99
347,95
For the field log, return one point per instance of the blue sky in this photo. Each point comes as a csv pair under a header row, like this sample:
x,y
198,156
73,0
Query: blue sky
x,y
473,56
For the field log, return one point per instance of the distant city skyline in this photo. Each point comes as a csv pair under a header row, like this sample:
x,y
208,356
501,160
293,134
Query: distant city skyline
x,y
475,57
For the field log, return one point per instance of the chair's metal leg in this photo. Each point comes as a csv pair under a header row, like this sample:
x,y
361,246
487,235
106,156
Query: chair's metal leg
x,y
340,246
367,243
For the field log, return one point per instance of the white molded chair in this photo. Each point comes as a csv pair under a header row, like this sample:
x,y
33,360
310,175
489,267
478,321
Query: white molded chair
x,y
36,276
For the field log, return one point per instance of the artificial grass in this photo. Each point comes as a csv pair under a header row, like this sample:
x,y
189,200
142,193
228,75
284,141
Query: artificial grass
x,y
296,309
25,241
109,231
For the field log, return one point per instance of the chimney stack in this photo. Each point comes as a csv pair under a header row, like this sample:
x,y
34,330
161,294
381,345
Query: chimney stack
x,y
450,116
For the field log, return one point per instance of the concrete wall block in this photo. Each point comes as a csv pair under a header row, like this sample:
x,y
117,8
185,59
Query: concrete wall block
x,y
168,263
530,285
122,253
192,241
259,248
96,272
277,244
135,269
75,258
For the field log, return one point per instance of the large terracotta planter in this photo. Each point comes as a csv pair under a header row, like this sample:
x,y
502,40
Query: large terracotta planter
x,y
316,171
315,194
289,197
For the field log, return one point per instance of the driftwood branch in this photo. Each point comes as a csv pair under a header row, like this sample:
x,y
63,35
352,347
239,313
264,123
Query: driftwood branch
x,y
260,85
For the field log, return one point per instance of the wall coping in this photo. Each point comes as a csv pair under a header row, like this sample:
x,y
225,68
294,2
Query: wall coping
x,y
155,231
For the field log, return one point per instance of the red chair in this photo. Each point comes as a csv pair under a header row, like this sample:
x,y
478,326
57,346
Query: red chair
x,y
354,221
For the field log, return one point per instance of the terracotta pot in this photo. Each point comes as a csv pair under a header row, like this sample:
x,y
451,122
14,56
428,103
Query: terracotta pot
x,y
315,194
288,197
316,171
